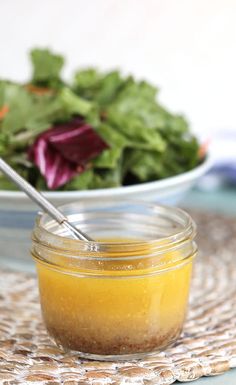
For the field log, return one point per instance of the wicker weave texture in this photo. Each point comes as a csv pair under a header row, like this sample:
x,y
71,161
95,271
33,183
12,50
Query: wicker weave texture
x,y
207,346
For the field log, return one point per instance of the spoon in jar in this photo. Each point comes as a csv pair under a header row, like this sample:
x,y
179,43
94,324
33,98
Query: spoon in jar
x,y
41,201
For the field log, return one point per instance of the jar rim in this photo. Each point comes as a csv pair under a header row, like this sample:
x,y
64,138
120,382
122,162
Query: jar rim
x,y
44,237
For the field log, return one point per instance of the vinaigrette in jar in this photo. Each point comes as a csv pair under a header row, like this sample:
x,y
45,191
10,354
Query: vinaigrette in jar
x,y
118,297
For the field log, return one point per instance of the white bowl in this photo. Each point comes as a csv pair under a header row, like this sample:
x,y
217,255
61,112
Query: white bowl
x,y
165,191
17,212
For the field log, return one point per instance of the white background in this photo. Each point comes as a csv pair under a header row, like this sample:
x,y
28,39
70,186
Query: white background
x,y
187,47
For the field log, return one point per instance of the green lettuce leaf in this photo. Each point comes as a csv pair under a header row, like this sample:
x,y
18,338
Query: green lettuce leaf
x,y
46,67
73,103
136,131
81,182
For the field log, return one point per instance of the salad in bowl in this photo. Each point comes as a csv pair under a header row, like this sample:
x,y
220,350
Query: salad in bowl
x,y
98,131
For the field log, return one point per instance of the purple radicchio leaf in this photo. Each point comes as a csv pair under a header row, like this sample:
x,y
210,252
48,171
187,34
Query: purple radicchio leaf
x,y
77,141
64,150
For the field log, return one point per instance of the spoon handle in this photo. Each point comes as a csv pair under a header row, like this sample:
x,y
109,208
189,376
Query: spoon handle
x,y
40,200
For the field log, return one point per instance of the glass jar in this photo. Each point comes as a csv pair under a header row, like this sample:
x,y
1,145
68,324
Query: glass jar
x,y
125,294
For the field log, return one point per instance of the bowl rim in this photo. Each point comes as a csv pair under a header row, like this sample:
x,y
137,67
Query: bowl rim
x,y
161,184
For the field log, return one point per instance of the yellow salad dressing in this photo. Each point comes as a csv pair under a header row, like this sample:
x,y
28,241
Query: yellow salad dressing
x,y
109,307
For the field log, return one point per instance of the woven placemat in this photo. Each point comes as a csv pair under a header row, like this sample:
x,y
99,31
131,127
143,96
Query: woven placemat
x,y
207,346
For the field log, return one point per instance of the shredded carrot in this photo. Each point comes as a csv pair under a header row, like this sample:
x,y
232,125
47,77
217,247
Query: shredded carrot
x,y
38,90
3,111
204,148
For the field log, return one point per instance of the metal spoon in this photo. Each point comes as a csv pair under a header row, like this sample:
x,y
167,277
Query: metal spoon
x,y
41,201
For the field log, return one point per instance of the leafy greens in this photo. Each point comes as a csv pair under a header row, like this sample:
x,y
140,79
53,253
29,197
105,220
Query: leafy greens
x,y
138,139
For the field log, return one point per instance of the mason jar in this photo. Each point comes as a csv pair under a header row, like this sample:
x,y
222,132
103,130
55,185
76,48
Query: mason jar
x,y
123,295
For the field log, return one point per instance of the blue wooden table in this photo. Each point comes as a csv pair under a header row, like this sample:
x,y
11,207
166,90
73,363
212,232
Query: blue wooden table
x,y
229,378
